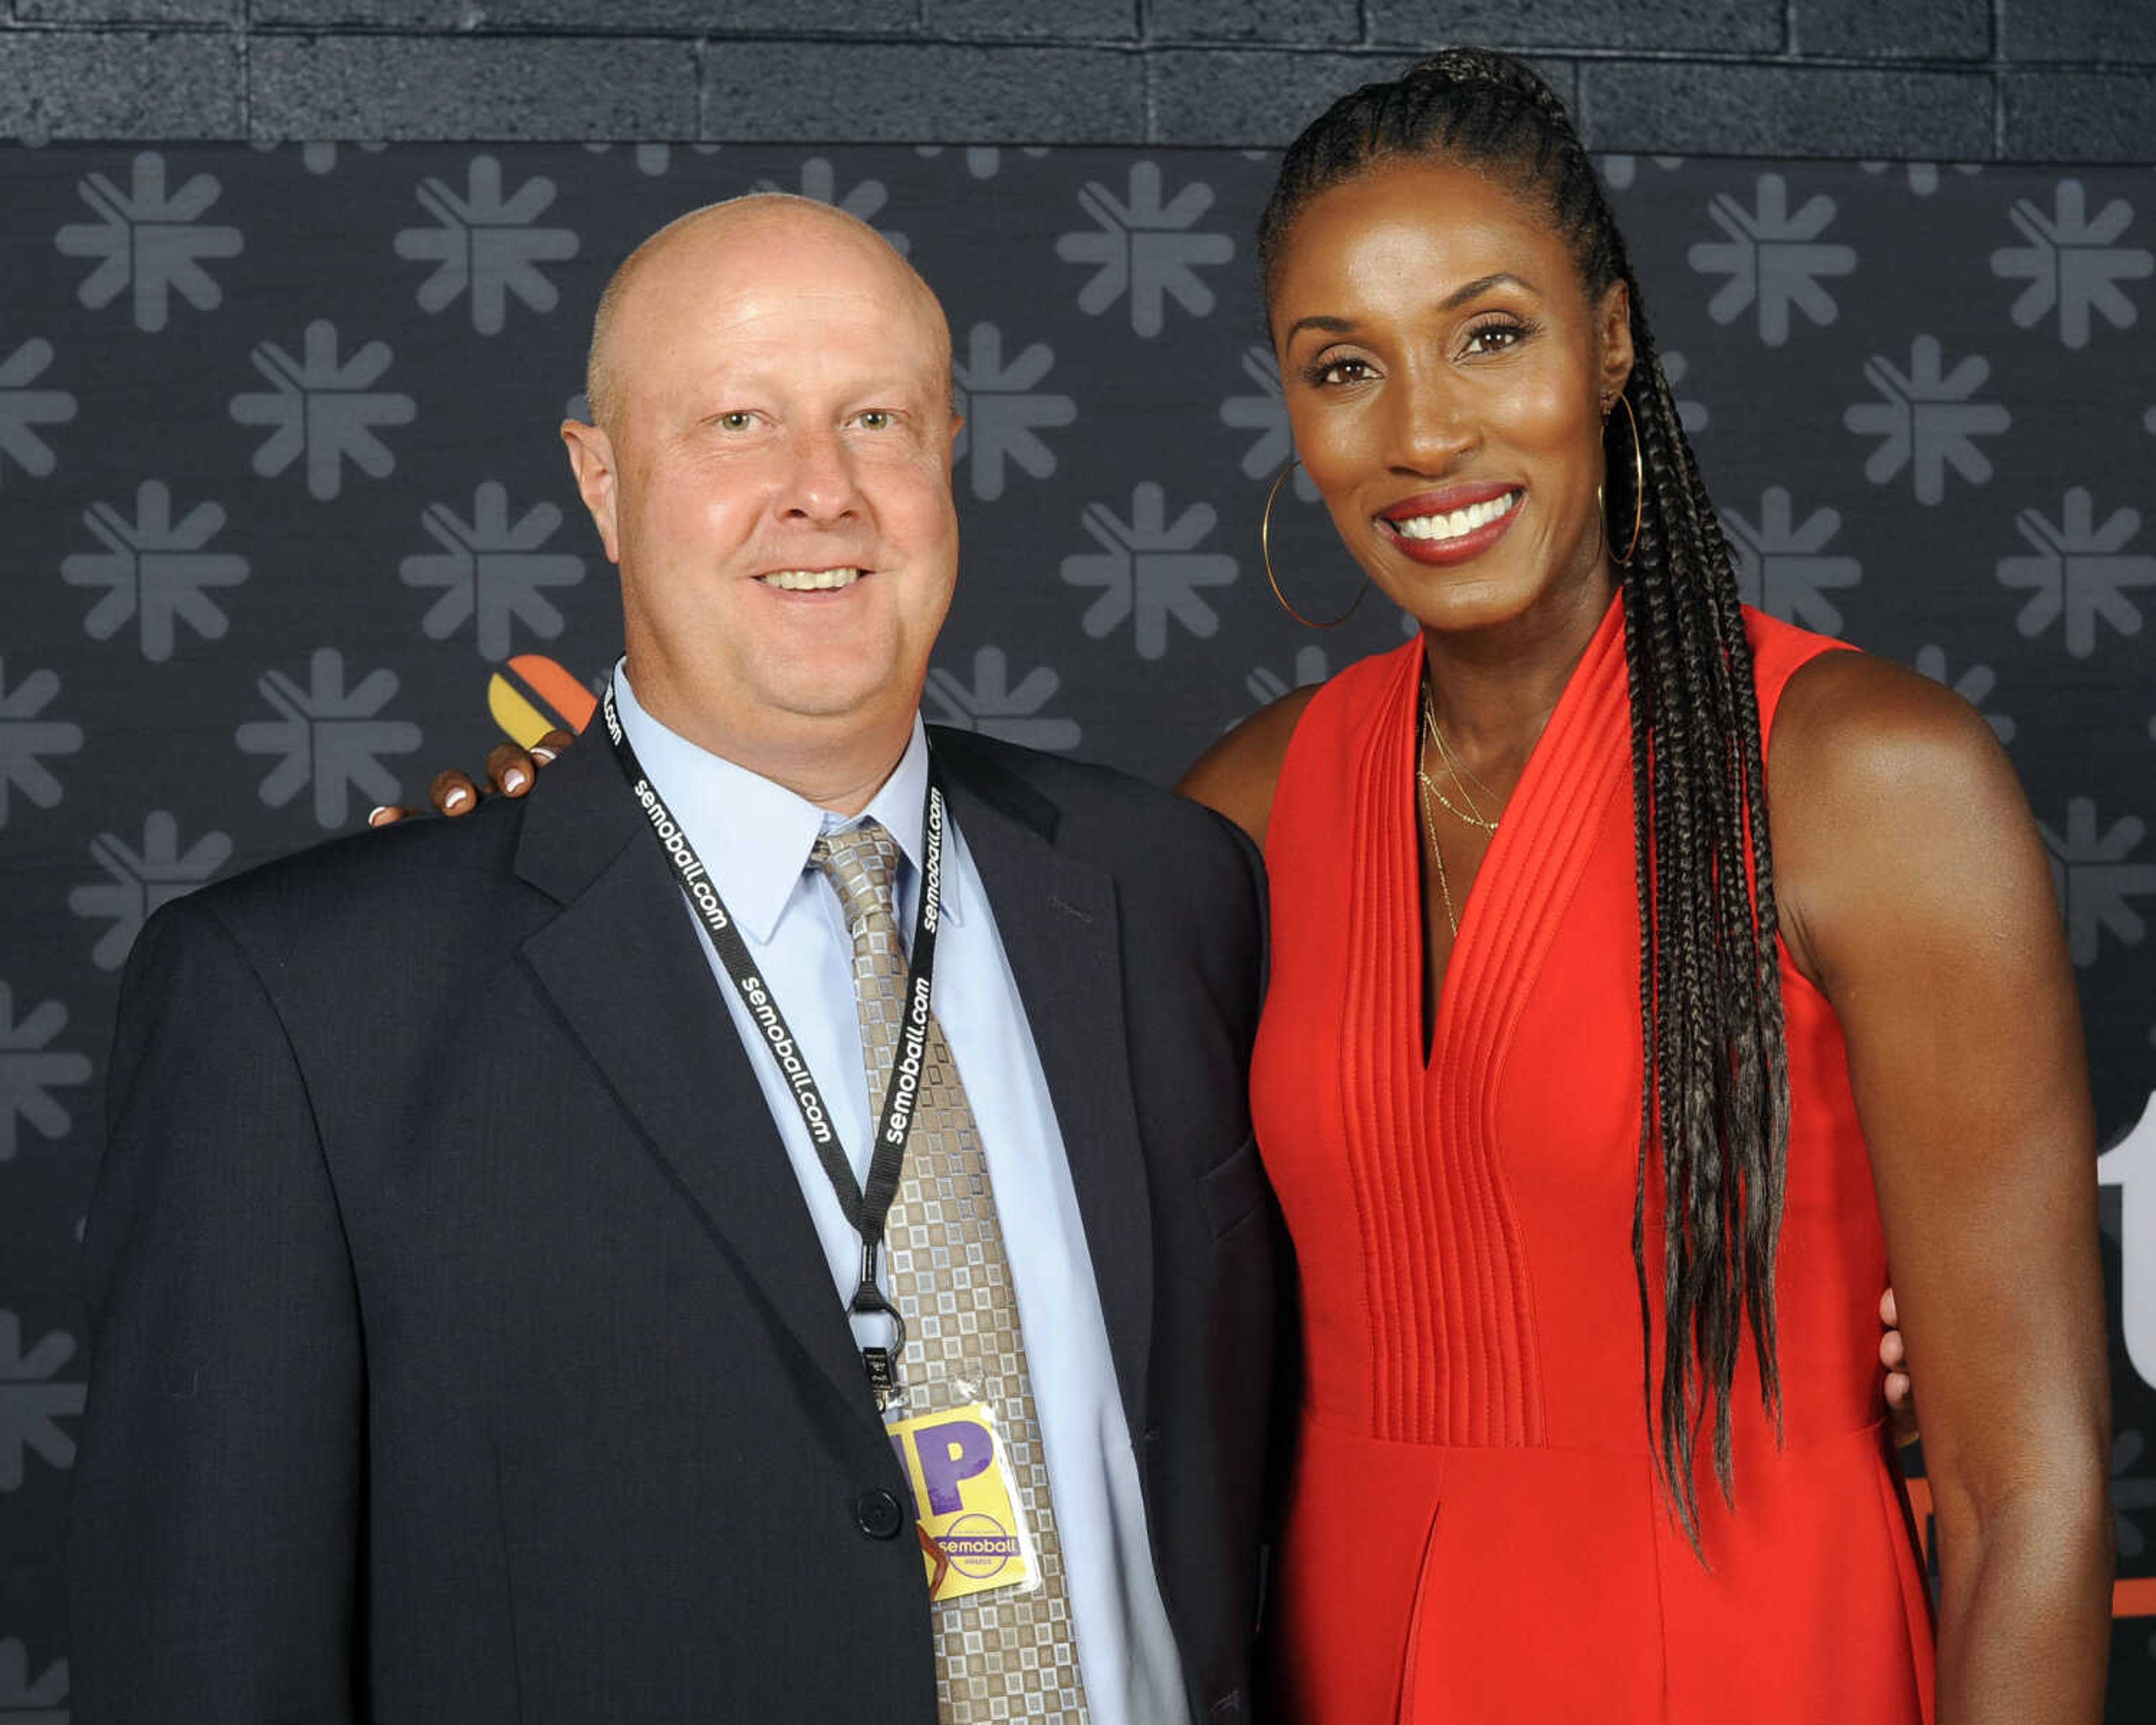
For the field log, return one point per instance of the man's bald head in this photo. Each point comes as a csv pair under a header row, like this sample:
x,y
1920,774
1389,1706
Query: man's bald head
x,y
770,469
729,238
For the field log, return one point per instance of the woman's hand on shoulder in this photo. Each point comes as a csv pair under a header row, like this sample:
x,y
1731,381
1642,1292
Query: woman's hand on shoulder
x,y
1916,893
510,772
1237,775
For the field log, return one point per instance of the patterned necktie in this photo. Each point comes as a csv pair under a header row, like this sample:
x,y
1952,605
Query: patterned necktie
x,y
1003,1654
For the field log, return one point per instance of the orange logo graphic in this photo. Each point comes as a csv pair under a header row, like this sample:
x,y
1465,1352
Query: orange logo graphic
x,y
533,694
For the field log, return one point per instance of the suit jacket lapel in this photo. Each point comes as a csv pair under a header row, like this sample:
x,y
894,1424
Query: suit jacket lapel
x,y
1058,919
622,965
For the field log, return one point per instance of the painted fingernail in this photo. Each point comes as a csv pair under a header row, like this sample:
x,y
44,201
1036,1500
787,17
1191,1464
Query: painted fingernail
x,y
456,799
513,780
374,814
540,753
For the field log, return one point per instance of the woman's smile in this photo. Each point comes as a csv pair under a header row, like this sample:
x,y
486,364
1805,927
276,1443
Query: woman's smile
x,y
1453,526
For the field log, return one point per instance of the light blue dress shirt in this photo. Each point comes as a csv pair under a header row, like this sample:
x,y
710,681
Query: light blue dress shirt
x,y
754,836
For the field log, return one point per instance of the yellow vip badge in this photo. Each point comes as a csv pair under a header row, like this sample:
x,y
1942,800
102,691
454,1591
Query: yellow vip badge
x,y
967,1508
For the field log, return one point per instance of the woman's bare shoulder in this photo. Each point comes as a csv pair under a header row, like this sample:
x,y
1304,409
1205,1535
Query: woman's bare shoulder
x,y
1238,775
1852,729
1890,801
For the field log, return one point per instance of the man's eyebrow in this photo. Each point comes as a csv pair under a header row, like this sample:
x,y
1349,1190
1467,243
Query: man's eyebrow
x,y
1458,297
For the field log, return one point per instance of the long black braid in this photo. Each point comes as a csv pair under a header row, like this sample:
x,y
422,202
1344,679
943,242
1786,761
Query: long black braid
x,y
1714,1096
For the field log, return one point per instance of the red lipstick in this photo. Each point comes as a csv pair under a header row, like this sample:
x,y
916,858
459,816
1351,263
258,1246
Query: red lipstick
x,y
1461,547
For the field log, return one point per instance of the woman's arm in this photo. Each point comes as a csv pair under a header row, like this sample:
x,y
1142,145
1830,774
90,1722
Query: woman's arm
x,y
1915,893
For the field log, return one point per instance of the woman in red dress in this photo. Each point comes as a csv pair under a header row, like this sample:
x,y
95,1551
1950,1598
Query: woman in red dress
x,y
1647,976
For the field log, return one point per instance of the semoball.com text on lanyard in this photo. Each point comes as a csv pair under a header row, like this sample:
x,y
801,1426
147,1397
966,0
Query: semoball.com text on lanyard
x,y
866,1207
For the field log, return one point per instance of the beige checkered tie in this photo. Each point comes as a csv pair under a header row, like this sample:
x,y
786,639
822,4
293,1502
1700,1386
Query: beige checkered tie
x,y
999,1655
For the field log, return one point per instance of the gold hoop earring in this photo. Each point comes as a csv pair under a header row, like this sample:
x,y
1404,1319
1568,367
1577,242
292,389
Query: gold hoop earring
x,y
1265,554
1639,487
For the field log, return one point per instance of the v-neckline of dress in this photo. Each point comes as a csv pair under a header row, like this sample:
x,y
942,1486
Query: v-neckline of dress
x,y
1542,822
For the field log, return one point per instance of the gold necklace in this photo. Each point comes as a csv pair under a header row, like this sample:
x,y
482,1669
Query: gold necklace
x,y
1472,814
1456,767
1437,852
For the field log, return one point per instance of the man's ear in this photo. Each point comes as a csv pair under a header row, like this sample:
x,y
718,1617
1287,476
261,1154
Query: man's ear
x,y
591,459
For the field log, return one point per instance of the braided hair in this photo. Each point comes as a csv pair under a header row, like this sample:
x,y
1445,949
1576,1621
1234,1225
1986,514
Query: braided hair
x,y
1714,1095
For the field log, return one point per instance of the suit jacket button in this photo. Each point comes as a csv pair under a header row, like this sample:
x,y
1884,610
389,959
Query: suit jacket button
x,y
877,1513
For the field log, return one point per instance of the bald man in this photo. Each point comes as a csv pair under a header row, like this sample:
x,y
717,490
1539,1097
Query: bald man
x,y
493,1315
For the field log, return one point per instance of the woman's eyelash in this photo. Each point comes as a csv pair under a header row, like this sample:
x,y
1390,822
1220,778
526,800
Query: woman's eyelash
x,y
1517,329
1321,374
1320,371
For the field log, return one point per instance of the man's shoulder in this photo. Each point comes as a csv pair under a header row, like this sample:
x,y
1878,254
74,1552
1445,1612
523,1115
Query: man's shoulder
x,y
1187,881
370,899
1083,802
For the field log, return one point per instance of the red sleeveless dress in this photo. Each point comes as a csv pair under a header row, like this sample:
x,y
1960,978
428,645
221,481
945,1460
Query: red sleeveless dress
x,y
1475,1532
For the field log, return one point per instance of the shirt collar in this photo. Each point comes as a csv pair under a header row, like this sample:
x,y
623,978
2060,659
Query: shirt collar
x,y
754,835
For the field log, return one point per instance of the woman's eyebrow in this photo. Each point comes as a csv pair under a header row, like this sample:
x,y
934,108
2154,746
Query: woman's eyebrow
x,y
1460,295
1481,283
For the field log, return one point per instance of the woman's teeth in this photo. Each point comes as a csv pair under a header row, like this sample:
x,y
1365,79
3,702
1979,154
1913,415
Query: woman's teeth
x,y
810,580
1458,521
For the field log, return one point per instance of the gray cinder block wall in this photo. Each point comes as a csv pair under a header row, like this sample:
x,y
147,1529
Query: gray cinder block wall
x,y
2028,80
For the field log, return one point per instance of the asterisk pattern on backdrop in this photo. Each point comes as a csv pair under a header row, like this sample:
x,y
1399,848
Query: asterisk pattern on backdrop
x,y
289,520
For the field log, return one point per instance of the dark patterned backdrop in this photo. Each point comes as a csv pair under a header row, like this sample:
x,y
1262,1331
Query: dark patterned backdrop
x,y
288,528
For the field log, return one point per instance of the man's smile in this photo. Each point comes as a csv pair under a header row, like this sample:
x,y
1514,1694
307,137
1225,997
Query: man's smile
x,y
812,580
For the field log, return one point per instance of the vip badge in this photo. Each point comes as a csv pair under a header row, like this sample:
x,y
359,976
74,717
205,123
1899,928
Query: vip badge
x,y
967,1506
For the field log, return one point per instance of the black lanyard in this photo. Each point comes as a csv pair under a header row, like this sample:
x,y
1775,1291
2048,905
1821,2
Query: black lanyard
x,y
866,1209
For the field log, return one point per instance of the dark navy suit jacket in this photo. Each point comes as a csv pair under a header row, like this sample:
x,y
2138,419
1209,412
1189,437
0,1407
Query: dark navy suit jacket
x,y
462,1349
